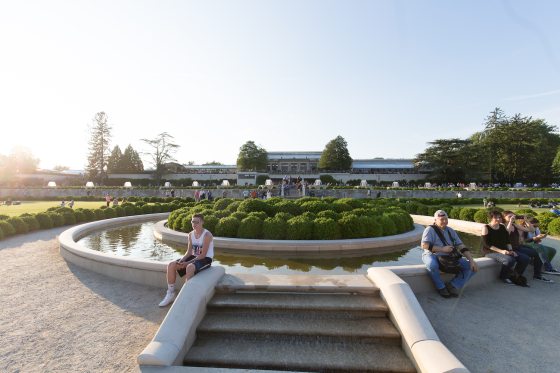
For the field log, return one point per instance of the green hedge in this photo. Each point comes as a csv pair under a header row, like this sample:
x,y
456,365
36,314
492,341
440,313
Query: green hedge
x,y
274,228
19,225
7,229
227,227
250,227
325,229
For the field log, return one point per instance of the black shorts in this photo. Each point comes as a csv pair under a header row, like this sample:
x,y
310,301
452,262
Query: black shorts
x,y
199,265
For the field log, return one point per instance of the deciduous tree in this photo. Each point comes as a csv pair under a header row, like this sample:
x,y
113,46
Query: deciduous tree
x,y
336,157
252,157
162,150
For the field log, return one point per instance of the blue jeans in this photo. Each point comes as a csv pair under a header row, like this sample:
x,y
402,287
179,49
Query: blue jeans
x,y
531,253
508,262
432,265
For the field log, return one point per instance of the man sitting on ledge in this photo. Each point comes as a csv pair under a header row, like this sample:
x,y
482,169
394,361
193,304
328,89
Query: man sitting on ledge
x,y
443,243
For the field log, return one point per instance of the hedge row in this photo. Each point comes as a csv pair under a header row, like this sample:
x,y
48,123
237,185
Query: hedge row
x,y
59,216
303,219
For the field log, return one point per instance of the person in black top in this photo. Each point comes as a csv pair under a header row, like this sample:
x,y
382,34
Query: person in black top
x,y
496,245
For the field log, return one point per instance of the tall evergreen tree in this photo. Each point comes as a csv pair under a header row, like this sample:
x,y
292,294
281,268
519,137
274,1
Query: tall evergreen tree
x,y
130,161
336,157
100,136
115,159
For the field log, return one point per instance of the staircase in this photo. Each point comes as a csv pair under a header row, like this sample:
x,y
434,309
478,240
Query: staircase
x,y
291,329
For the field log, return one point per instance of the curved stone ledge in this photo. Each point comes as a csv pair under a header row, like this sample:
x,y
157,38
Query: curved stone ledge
x,y
376,244
142,271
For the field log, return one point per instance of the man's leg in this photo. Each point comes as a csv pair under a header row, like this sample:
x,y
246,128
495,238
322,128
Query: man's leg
x,y
462,277
432,265
532,254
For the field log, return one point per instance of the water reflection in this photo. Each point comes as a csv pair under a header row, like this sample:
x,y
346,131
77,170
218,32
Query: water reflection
x,y
137,241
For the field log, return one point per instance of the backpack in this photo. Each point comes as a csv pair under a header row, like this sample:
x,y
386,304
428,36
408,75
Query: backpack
x,y
448,263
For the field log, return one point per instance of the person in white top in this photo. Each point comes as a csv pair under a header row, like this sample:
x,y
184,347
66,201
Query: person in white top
x,y
200,252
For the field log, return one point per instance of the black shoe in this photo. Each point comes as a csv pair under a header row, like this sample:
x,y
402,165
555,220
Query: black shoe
x,y
452,290
444,292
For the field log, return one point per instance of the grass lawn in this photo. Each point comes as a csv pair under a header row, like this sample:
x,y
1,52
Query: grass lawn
x,y
510,207
33,207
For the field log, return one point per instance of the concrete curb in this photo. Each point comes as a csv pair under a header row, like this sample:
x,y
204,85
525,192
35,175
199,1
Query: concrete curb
x,y
420,341
141,271
177,332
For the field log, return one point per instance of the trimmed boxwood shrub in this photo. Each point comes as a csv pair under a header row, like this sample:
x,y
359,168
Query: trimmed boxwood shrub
x,y
526,212
467,214
239,215
309,215
227,227
110,213
147,209
1,234
45,221
68,217
422,210
254,204
210,223
19,225
388,225
58,219
232,207
222,203
80,216
455,212
156,207
259,214
401,224
31,222
328,214
481,216
129,210
274,228
554,227
88,214
350,226
316,206
100,214
290,207
284,216
120,211
183,223
299,228
222,213
250,227
325,229
7,229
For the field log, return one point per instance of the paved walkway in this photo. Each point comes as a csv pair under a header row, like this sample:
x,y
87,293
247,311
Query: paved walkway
x,y
57,317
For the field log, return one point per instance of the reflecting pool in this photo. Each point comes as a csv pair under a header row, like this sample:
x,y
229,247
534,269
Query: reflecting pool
x,y
138,241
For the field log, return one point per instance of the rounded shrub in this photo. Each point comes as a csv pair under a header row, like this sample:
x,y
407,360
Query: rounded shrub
x,y
467,214
554,227
227,227
31,222
481,216
58,219
222,203
316,206
328,214
250,227
299,228
455,212
156,208
232,207
110,213
182,223
288,206
7,229
284,216
1,234
422,210
254,204
544,219
80,216
350,226
210,222
372,226
526,212
259,214
120,211
325,229
19,225
100,213
147,209
274,228
239,215
388,225
45,221
69,218
129,210
309,215
401,224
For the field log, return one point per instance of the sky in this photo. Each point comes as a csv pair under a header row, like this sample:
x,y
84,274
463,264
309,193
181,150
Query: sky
x,y
291,75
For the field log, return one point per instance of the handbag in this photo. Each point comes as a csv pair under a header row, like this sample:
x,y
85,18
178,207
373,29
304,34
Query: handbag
x,y
448,263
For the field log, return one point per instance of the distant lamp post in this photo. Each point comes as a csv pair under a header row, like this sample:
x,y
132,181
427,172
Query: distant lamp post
x,y
127,184
195,184
51,184
89,184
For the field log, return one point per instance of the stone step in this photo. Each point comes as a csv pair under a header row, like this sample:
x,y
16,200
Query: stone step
x,y
363,329
357,284
253,302
310,355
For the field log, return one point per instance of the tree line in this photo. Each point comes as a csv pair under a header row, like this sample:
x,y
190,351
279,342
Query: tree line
x,y
507,150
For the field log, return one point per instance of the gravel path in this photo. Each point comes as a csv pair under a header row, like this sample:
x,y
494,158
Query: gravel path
x,y
58,317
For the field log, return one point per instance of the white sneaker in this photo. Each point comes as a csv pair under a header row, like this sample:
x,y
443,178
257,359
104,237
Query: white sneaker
x,y
169,298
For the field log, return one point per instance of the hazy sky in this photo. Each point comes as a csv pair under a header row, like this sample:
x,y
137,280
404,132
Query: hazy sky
x,y
388,76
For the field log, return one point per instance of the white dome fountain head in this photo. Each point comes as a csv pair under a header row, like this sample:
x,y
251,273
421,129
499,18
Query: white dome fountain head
x,y
195,184
51,184
395,184
317,182
127,184
427,185
364,183
90,184
167,184
225,183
